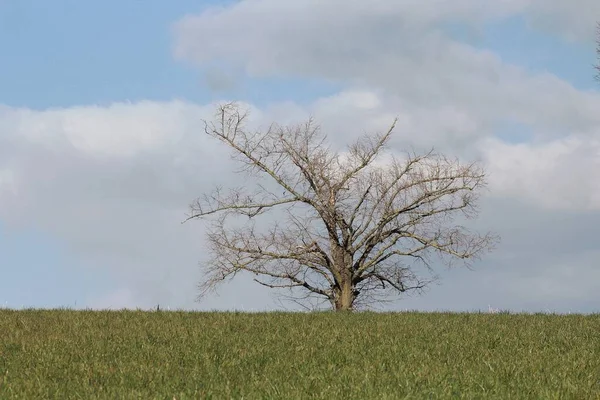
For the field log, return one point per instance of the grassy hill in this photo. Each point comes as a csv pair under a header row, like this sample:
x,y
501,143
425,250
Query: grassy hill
x,y
183,355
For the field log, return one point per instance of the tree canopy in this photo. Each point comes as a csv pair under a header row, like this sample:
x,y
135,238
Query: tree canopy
x,y
348,227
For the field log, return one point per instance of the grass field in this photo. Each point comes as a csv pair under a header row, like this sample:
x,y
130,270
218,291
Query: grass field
x,y
184,355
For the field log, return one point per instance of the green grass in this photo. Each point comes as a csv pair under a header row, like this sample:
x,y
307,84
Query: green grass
x,y
183,355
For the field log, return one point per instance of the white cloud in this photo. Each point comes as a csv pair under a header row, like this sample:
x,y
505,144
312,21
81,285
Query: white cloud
x,y
122,213
7,181
574,20
400,62
394,47
561,174
119,129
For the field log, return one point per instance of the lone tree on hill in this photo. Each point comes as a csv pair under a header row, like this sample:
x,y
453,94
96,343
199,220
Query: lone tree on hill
x,y
350,228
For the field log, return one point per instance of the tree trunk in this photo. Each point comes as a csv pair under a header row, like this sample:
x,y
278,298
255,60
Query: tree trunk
x,y
344,292
345,297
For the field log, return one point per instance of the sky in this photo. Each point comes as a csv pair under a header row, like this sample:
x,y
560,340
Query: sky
x,y
102,145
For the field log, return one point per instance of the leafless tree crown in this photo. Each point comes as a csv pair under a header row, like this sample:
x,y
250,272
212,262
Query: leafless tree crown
x,y
347,227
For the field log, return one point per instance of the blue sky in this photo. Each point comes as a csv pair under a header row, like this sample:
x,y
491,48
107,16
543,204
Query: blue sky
x,y
74,52
518,43
65,54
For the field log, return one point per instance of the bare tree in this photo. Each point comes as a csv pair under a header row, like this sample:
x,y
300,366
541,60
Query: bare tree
x,y
346,227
